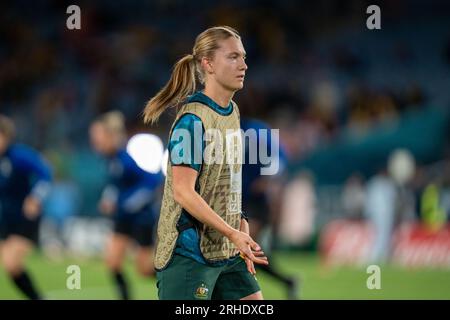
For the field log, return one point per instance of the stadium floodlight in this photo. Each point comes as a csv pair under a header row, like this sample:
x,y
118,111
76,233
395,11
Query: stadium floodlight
x,y
165,158
147,150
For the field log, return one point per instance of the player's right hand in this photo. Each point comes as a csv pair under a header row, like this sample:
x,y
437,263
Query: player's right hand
x,y
107,207
248,247
31,207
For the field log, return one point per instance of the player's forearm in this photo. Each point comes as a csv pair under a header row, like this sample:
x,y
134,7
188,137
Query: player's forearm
x,y
193,203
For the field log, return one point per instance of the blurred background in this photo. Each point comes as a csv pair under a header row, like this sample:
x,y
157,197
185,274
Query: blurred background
x,y
364,119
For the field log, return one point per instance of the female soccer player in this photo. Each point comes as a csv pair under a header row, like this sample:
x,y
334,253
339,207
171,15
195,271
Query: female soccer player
x,y
24,183
129,198
204,250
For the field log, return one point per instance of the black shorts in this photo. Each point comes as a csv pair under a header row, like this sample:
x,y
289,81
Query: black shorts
x,y
26,228
141,233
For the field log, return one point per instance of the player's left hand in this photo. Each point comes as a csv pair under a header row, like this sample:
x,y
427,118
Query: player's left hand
x,y
107,207
31,207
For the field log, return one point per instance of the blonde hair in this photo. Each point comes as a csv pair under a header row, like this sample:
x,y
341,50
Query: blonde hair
x,y
114,123
182,82
7,127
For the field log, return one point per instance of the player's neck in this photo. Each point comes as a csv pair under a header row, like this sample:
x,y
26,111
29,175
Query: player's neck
x,y
219,95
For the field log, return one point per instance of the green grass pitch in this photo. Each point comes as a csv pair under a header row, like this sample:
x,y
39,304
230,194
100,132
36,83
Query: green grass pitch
x,y
316,281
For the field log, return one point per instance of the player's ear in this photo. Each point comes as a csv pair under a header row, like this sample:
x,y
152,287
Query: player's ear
x,y
207,65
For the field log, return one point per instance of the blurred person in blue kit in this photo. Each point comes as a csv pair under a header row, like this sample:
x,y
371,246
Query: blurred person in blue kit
x,y
261,196
25,181
129,198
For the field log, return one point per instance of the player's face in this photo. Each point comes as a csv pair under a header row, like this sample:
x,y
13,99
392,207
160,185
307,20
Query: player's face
x,y
229,64
100,140
4,142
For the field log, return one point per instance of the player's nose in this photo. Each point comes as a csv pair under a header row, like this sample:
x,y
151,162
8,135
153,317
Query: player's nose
x,y
243,66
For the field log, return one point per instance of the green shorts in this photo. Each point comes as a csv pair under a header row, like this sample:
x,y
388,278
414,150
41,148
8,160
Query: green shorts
x,y
187,279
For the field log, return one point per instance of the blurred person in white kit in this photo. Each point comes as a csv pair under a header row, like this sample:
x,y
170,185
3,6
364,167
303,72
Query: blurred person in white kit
x,y
382,197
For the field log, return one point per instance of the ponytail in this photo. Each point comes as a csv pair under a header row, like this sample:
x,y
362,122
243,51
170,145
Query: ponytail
x,y
182,81
180,85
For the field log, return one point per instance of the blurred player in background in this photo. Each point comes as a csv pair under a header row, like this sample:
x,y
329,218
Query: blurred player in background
x,y
128,198
24,183
201,228
261,196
